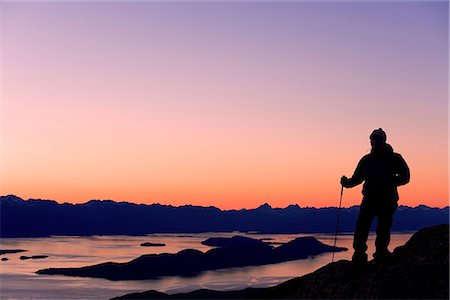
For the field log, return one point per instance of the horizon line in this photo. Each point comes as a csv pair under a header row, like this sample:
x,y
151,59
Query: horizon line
x,y
209,206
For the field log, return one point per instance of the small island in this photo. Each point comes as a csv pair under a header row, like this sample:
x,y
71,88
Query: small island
x,y
235,241
11,251
237,251
23,257
149,244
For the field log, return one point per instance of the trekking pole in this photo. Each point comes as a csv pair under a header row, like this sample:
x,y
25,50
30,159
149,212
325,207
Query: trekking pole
x,y
337,222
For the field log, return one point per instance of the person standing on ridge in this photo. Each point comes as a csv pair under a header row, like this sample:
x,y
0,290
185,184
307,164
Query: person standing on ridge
x,y
382,171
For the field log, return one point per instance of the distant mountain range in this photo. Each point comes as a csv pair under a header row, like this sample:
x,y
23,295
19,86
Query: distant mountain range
x,y
37,218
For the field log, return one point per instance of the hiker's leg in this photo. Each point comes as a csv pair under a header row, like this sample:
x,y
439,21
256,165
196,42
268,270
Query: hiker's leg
x,y
363,223
384,219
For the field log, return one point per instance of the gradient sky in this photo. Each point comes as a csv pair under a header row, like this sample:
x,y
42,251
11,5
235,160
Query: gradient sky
x,y
225,104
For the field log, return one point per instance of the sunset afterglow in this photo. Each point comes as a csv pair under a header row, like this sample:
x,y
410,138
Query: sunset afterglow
x,y
224,104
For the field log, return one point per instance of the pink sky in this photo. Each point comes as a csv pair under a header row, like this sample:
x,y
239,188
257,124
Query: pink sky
x,y
224,104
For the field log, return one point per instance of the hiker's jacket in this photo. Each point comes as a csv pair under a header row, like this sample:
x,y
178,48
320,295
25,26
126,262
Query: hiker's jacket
x,y
382,173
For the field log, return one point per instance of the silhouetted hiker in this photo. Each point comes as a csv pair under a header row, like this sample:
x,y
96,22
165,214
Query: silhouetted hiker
x,y
382,171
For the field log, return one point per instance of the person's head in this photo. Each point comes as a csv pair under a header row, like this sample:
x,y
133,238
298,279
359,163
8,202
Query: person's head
x,y
378,139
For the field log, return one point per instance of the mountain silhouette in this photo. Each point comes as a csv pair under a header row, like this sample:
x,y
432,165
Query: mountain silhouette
x,y
236,251
37,218
418,270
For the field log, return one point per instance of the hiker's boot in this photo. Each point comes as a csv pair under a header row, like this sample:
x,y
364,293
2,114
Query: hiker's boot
x,y
382,257
359,257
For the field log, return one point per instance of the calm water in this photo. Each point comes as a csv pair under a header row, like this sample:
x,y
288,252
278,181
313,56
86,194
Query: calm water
x,y
18,280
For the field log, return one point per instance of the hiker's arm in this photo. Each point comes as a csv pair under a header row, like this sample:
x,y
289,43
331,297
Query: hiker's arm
x,y
402,176
357,177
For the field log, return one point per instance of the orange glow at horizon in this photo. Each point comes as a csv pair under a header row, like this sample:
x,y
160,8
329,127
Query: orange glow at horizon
x,y
277,183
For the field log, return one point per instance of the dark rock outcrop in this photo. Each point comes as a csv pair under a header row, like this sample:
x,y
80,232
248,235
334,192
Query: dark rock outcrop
x,y
150,244
418,270
242,252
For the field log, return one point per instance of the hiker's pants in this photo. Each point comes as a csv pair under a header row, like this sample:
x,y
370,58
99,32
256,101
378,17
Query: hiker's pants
x,y
384,211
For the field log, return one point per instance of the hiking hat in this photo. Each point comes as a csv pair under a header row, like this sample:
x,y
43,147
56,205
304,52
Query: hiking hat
x,y
379,135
